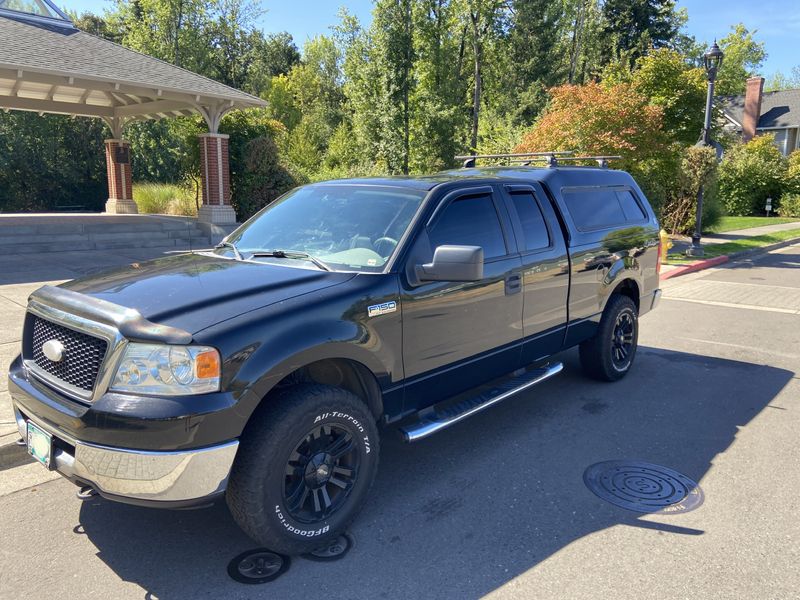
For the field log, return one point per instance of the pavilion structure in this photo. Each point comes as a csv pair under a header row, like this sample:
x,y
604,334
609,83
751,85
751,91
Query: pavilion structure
x,y
47,65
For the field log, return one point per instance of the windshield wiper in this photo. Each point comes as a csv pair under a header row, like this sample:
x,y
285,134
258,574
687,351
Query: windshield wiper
x,y
292,254
232,246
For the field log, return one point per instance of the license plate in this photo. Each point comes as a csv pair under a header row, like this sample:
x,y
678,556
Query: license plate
x,y
40,444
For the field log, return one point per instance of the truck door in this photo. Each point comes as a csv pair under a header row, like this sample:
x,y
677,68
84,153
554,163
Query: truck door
x,y
545,271
457,335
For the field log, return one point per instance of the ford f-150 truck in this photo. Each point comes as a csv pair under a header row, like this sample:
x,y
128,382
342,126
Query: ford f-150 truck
x,y
262,370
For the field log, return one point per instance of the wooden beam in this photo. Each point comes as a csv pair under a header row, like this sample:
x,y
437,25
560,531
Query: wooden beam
x,y
51,106
159,106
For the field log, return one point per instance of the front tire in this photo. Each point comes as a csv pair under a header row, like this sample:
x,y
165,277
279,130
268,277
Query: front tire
x,y
305,465
608,356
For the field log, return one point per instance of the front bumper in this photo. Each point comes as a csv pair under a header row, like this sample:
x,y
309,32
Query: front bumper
x,y
139,476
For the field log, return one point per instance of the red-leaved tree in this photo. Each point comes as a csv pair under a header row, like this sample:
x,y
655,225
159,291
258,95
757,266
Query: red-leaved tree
x,y
593,119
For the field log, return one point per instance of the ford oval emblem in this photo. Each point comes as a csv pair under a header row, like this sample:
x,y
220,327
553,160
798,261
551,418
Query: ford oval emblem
x,y
53,350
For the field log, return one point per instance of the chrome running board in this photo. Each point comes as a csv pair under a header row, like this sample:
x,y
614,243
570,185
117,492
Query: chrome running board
x,y
439,420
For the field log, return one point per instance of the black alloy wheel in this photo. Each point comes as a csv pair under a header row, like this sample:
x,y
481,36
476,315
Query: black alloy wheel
x,y
320,473
305,464
622,340
608,355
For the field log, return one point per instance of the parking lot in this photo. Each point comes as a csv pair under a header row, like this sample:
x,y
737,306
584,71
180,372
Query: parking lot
x,y
495,506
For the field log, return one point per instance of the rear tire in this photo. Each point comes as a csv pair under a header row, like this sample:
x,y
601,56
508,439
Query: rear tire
x,y
608,356
305,464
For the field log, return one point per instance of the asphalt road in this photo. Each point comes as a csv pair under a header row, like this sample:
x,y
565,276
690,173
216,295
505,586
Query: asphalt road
x,y
496,506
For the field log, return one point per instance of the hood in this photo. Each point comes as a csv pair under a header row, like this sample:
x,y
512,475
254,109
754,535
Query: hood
x,y
195,291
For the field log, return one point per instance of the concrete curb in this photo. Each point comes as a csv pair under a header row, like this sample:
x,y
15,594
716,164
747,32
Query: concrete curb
x,y
695,266
718,260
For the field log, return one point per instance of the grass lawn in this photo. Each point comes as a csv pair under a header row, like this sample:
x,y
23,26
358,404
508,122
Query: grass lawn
x,y
759,241
733,223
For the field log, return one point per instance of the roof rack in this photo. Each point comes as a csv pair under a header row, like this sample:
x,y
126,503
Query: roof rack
x,y
551,159
602,161
470,159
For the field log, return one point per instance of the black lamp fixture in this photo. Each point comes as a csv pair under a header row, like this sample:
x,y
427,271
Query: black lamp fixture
x,y
712,61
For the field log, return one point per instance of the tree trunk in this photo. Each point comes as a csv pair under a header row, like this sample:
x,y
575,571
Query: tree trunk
x,y
406,85
477,49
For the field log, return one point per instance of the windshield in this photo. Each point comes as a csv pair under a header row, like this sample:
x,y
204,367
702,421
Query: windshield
x,y
347,227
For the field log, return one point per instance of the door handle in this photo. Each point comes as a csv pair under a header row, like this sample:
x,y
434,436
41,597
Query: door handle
x,y
513,284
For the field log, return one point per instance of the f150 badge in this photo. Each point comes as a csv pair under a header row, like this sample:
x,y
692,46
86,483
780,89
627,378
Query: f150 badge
x,y
382,309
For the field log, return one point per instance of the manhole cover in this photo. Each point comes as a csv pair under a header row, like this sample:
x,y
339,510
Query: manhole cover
x,y
335,550
257,566
643,487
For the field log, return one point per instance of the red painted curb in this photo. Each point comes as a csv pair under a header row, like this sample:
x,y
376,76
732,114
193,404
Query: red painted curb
x,y
695,266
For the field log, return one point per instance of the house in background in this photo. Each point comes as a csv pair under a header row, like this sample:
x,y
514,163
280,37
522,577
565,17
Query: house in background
x,y
757,112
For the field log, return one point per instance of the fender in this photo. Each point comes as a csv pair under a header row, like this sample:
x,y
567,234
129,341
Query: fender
x,y
261,348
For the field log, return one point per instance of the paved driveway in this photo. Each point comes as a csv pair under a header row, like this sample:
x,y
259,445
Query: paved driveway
x,y
496,506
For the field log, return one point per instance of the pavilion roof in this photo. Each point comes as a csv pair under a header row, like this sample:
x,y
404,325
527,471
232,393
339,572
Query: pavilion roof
x,y
49,66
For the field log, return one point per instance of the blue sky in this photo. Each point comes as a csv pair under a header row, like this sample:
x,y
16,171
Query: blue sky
x,y
777,21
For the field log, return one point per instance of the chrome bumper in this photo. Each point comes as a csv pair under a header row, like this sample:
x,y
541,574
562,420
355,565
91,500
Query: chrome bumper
x,y
178,476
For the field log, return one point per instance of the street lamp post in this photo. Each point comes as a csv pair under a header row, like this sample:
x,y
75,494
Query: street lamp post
x,y
712,61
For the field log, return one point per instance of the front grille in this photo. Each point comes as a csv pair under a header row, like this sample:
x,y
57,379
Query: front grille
x,y
83,354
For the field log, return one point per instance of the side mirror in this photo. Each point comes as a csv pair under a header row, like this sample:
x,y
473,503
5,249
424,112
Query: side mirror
x,y
453,263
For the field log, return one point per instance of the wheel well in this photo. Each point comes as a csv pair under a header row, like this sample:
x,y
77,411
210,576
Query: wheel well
x,y
342,373
630,289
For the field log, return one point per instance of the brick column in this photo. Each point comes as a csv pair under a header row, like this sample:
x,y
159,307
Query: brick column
x,y
120,188
216,180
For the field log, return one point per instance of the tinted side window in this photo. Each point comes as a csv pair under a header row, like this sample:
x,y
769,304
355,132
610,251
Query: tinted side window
x,y
470,221
633,212
594,209
533,225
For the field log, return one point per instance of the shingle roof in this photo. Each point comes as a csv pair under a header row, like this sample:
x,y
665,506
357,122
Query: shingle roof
x,y
38,51
778,109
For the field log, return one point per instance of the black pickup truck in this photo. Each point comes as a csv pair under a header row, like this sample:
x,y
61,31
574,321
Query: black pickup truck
x,y
261,370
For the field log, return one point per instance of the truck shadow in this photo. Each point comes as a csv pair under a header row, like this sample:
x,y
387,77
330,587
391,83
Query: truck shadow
x,y
467,511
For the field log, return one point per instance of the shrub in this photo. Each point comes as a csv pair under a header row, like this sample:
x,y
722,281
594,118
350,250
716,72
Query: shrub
x,y
263,178
698,166
790,206
792,178
164,199
749,174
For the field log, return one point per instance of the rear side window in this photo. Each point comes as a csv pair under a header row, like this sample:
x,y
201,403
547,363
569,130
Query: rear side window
x,y
633,212
533,225
470,221
602,208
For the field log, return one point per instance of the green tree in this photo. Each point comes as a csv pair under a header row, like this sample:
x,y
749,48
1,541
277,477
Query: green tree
x,y
584,39
631,26
664,76
778,81
485,19
535,28
744,55
436,105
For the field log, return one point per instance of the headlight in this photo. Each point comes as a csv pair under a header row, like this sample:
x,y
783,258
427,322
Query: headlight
x,y
167,370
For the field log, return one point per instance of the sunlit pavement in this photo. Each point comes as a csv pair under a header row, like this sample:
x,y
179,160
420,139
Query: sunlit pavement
x,y
496,506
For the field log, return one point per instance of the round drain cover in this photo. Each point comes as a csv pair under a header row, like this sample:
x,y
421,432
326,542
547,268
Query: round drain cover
x,y
257,566
335,550
643,487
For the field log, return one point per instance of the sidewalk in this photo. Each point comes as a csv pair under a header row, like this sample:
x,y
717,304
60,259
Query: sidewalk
x,y
682,243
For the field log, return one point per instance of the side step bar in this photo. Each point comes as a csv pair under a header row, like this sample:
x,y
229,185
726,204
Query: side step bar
x,y
466,408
